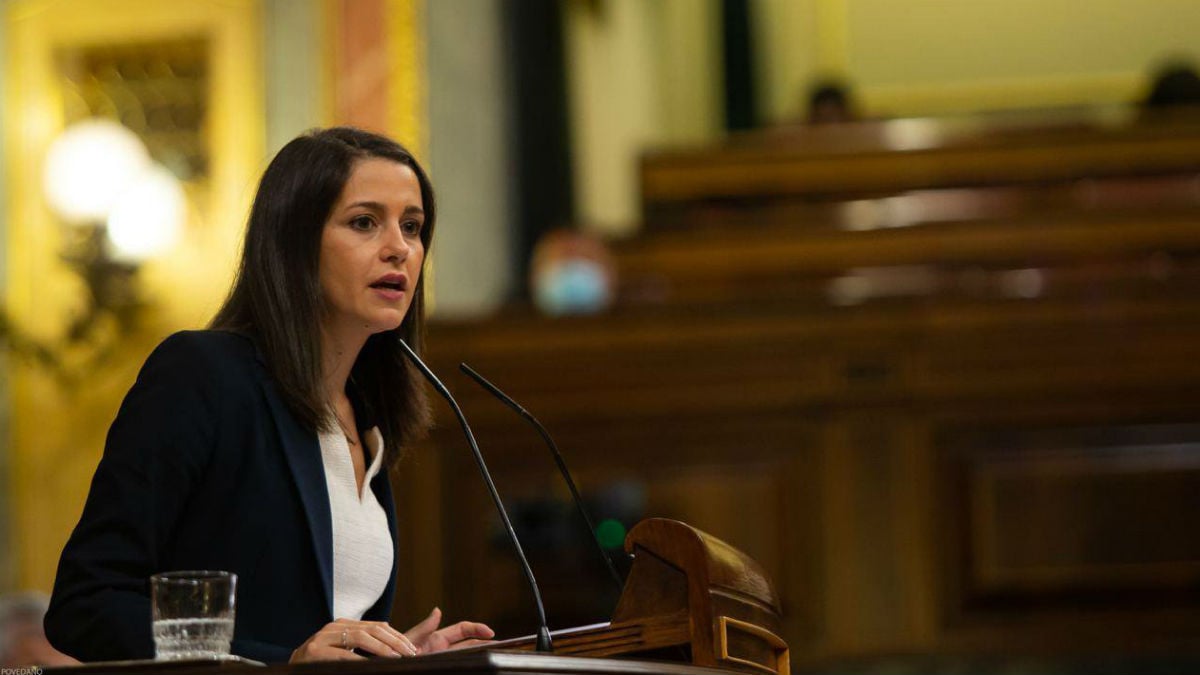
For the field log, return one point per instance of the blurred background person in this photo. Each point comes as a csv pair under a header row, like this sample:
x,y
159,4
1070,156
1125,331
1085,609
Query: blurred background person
x,y
1174,85
830,102
22,639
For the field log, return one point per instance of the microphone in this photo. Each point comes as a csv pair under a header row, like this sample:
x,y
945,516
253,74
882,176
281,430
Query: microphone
x,y
544,643
558,459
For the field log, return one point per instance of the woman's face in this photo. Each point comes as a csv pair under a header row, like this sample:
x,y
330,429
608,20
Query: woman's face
x,y
371,249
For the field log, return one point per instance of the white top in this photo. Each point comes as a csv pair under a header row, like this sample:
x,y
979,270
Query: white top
x,y
362,543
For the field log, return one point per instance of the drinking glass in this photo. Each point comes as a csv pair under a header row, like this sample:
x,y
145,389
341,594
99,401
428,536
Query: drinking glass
x,y
193,613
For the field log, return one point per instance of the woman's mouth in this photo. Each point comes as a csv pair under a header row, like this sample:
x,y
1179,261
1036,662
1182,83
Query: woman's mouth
x,y
391,286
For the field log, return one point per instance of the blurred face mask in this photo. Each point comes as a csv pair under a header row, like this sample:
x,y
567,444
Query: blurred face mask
x,y
573,286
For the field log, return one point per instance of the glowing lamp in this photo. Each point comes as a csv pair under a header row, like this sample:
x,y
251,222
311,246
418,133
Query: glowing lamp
x,y
89,166
147,217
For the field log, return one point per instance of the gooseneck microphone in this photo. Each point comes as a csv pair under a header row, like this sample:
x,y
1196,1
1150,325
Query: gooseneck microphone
x,y
544,644
558,459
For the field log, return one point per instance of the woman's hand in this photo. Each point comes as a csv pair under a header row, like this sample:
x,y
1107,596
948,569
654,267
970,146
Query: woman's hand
x,y
337,641
428,638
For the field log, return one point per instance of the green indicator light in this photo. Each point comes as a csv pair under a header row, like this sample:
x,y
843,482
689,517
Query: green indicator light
x,y
611,533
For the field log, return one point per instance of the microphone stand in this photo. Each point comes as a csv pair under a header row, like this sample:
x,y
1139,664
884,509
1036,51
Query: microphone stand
x,y
558,459
544,643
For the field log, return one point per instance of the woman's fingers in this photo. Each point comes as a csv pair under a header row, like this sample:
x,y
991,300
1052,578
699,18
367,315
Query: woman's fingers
x,y
466,630
340,641
331,643
370,639
336,654
337,641
396,641
420,632
429,638
376,637
461,634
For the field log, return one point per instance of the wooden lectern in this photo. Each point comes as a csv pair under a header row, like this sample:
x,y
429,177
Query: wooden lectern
x,y
689,597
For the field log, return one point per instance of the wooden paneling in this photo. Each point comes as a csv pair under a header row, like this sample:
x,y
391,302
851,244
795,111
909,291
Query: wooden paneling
x,y
993,454
1063,529
1102,511
854,468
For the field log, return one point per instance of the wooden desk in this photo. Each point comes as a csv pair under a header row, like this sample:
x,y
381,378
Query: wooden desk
x,y
478,662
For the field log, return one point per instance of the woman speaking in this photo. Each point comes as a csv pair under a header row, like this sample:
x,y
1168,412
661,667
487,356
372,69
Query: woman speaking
x,y
262,445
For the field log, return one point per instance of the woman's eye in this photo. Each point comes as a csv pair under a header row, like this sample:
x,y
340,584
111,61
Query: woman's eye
x,y
362,223
411,227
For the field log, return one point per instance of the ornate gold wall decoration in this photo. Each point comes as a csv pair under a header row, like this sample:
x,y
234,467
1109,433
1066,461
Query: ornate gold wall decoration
x,y
188,78
158,89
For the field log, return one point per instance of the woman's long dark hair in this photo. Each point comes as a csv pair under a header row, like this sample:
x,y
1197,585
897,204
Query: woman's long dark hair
x,y
276,297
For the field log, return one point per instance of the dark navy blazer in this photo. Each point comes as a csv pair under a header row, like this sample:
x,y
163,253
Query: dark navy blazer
x,y
204,468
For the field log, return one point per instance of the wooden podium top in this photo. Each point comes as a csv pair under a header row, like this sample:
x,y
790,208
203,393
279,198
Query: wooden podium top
x,y
472,661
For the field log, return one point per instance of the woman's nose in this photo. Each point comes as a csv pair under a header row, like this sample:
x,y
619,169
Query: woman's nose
x,y
395,246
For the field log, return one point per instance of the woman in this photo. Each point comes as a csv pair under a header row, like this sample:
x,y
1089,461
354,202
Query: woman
x,y
256,446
